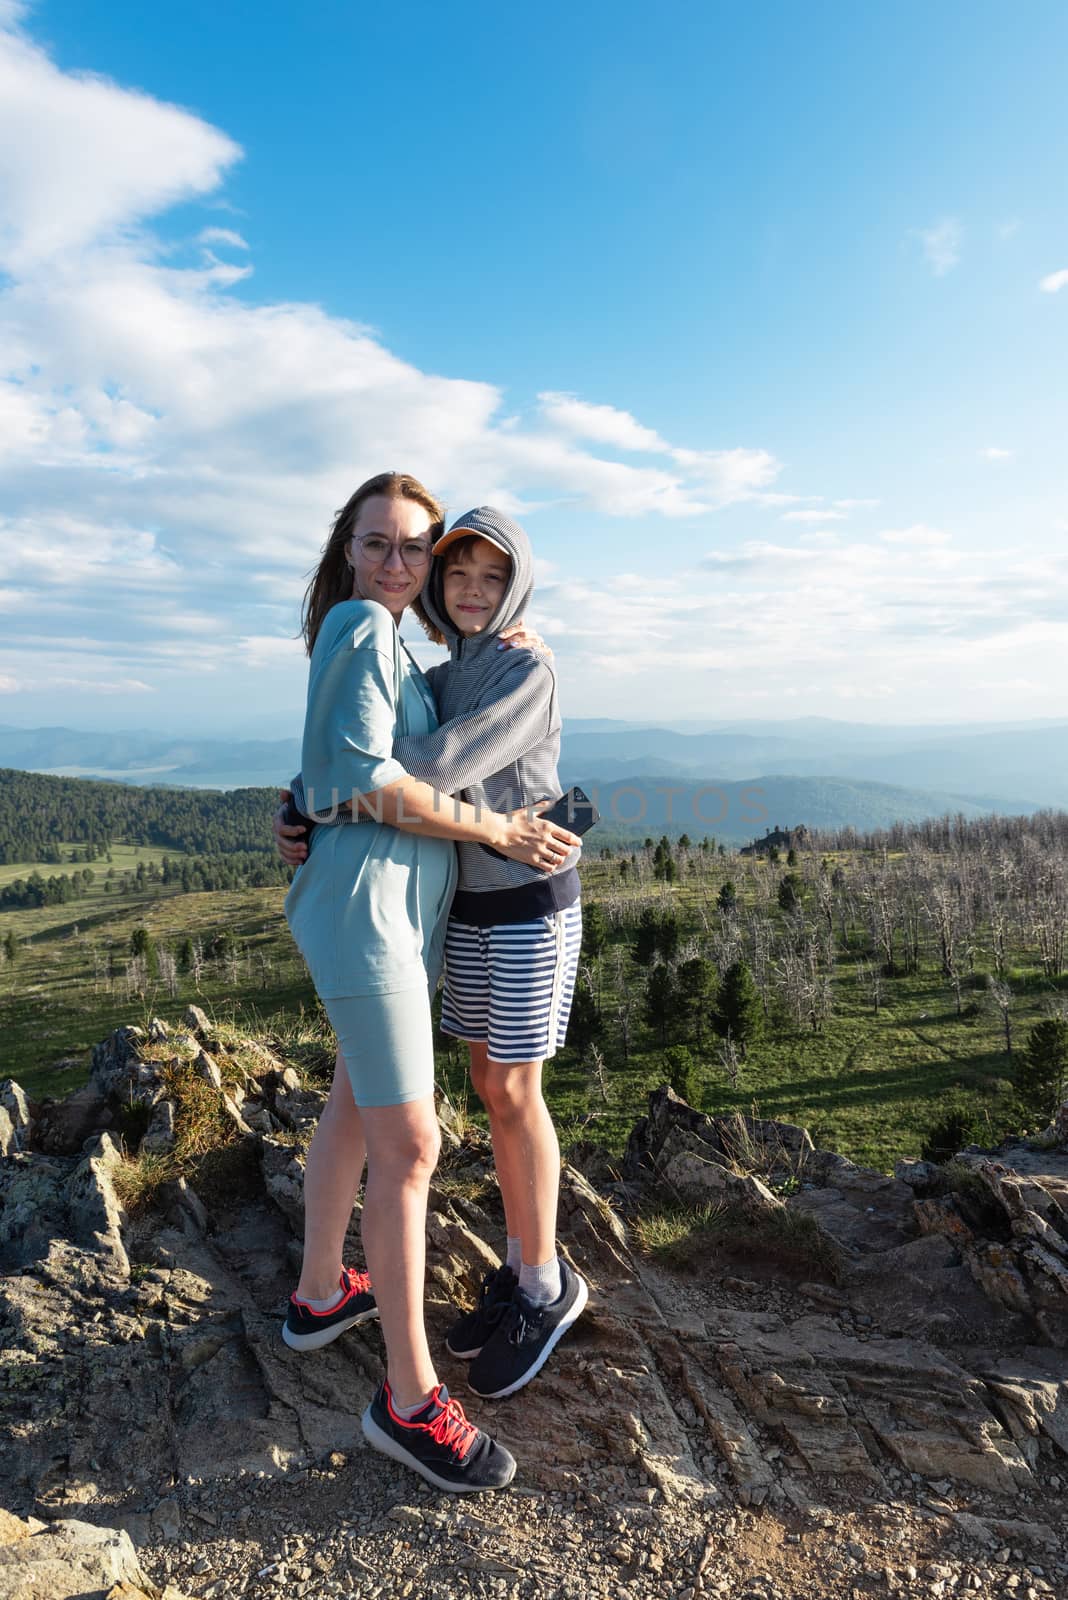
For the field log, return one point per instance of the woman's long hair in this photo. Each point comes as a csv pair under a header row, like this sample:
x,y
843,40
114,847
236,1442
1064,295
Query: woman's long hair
x,y
332,579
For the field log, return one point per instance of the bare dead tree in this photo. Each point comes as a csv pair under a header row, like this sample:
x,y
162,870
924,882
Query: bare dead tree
x,y
599,1074
168,970
730,1058
1001,997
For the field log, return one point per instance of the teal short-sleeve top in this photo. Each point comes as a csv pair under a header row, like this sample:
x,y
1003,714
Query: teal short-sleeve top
x,y
368,907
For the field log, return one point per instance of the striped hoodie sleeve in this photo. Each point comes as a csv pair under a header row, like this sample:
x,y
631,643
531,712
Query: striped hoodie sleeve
x,y
513,719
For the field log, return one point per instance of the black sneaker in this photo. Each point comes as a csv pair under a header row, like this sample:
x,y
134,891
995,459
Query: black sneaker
x,y
439,1443
525,1337
471,1330
305,1329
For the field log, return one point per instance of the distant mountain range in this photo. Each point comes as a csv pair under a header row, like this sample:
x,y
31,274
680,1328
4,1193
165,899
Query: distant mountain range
x,y
813,770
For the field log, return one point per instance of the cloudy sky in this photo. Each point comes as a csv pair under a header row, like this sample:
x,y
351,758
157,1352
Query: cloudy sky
x,y
759,321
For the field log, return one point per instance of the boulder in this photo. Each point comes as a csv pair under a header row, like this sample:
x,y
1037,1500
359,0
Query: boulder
x,y
15,1103
96,1216
61,1127
159,1137
72,1560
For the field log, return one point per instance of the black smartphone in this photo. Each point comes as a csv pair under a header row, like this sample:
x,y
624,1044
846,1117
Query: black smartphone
x,y
292,818
574,811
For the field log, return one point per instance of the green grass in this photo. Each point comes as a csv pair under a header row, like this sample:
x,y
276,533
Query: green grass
x,y
686,1236
124,858
869,1086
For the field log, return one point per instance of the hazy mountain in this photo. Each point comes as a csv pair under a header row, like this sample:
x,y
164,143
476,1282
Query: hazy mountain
x,y
997,765
822,772
742,811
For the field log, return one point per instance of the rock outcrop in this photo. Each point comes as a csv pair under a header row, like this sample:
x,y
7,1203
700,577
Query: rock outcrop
x,y
926,1350
40,1561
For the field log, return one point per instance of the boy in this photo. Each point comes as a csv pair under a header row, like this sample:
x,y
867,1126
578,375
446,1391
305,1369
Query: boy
x,y
513,937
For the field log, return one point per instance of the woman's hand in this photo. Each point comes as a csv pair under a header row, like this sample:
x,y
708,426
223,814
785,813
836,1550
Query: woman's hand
x,y
520,637
523,836
290,842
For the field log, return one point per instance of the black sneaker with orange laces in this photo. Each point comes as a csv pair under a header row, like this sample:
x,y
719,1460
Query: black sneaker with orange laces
x,y
439,1443
472,1329
308,1329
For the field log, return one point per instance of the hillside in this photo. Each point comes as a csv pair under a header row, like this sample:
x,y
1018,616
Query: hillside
x,y
805,1380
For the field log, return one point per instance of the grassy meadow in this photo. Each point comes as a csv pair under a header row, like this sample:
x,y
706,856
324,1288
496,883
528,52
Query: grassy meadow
x,y
869,1085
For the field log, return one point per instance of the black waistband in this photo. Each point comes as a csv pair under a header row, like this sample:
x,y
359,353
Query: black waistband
x,y
525,903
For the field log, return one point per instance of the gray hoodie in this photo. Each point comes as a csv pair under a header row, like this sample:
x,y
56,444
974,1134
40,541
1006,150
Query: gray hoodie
x,y
499,739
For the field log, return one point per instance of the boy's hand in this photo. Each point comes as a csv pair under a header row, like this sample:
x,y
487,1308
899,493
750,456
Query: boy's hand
x,y
520,637
290,842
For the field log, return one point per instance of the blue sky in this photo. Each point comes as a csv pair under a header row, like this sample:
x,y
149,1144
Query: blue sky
x,y
756,316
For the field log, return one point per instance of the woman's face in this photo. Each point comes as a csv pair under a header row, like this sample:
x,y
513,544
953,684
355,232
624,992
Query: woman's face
x,y
389,552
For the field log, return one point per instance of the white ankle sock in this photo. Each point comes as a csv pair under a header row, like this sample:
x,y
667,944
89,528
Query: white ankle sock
x,y
542,1284
514,1258
406,1413
325,1305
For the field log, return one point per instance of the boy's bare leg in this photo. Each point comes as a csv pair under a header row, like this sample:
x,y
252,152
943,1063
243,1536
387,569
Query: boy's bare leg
x,y
332,1175
526,1151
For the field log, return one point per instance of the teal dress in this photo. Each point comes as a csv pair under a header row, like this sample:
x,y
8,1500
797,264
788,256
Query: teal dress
x,y
368,908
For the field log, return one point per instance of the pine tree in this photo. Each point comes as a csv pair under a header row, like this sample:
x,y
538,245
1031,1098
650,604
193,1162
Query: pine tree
x,y
791,892
739,1013
141,945
1042,1074
648,934
696,991
660,999
667,936
11,945
594,932
727,898
585,1025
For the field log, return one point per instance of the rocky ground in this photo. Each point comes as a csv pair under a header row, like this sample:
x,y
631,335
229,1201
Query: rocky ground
x,y
887,1413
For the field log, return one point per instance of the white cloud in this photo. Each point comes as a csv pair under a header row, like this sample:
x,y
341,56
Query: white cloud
x,y
222,236
917,535
604,424
942,245
994,452
172,453
82,159
1054,282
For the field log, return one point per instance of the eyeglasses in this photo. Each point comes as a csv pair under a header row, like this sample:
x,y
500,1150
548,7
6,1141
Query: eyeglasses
x,y
413,552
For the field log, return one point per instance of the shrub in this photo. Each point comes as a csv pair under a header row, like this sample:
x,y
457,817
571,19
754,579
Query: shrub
x,y
957,1127
683,1072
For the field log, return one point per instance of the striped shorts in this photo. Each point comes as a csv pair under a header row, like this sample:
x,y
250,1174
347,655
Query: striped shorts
x,y
511,985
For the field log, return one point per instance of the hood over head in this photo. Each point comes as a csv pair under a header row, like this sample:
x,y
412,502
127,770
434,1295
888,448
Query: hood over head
x,y
486,523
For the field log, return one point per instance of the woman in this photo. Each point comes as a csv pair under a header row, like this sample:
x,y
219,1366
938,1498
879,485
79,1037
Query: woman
x,y
368,911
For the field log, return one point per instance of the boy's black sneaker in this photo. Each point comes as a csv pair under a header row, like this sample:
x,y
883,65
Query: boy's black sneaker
x,y
306,1329
525,1338
439,1443
471,1330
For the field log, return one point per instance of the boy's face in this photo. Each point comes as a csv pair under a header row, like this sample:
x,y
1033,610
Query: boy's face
x,y
474,585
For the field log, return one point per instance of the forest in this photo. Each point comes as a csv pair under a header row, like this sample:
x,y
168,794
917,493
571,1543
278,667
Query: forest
x,y
882,988
38,814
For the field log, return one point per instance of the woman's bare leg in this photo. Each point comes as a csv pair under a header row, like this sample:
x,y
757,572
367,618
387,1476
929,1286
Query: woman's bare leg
x,y
332,1174
526,1151
402,1151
